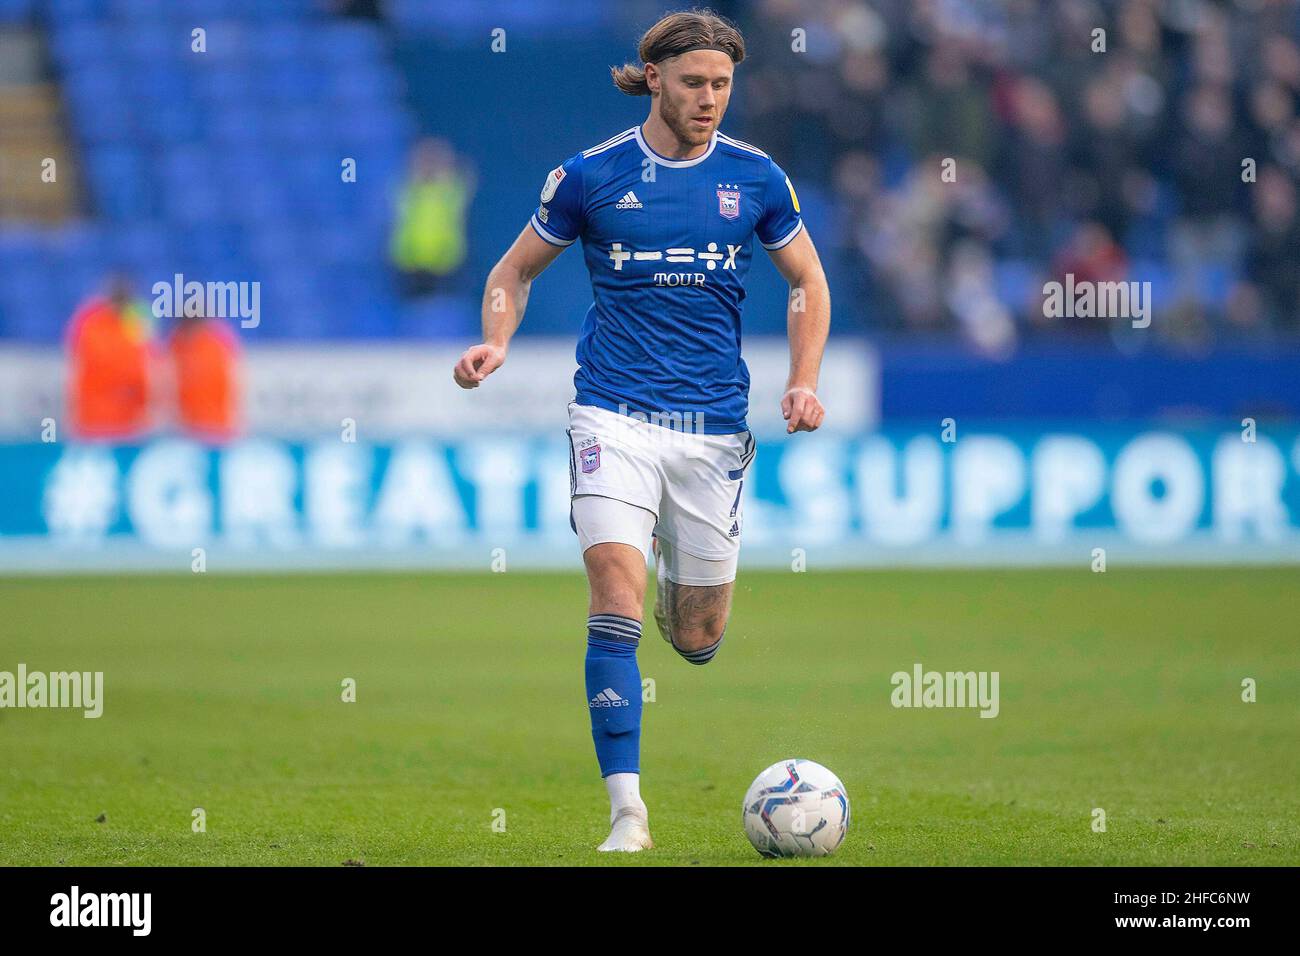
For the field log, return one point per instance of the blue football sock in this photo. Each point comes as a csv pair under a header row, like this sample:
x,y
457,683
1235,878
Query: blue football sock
x,y
614,692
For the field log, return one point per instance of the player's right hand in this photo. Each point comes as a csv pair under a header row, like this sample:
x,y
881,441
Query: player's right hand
x,y
478,362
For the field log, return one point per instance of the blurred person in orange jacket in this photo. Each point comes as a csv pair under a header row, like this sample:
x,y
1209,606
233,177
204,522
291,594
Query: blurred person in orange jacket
x,y
109,375
204,356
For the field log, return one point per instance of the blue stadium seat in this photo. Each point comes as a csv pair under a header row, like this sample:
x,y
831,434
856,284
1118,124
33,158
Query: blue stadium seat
x,y
79,42
299,125
227,43
237,129
147,41
237,169
121,183
221,84
226,162
76,11
32,307
559,17
276,42
350,42
288,82
172,123
139,11
105,122
142,248
13,11
222,240
207,10
362,89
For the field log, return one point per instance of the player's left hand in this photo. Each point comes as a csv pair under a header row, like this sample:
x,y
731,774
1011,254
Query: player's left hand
x,y
802,410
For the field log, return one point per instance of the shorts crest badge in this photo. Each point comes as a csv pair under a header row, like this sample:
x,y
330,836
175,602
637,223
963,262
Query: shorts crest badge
x,y
590,459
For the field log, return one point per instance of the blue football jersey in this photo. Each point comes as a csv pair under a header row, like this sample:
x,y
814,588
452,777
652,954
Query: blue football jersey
x,y
668,243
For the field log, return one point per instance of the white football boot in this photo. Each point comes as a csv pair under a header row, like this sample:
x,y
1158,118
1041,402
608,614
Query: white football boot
x,y
630,832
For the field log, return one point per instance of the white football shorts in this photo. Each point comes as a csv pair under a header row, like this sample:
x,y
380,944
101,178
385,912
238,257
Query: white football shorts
x,y
690,484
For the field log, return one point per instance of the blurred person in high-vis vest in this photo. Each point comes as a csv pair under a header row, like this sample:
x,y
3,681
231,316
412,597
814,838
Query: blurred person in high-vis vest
x,y
428,243
109,356
205,380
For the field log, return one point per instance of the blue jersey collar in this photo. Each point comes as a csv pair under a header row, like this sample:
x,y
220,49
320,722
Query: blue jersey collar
x,y
675,163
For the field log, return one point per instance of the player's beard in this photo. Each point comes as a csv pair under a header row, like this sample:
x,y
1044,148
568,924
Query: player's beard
x,y
675,119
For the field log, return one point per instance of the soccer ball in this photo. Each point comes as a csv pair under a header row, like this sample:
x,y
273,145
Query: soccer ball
x,y
796,808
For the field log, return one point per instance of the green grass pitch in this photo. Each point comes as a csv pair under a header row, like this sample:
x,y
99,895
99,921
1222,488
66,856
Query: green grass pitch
x,y
1120,691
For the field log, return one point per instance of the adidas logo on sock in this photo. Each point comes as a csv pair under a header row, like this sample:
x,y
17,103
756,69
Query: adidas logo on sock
x,y
629,201
608,698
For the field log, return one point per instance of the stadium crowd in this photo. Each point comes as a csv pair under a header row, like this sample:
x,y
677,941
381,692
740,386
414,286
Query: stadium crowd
x,y
1164,148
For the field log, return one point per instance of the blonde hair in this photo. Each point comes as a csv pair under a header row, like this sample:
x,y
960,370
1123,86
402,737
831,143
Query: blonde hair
x,y
675,34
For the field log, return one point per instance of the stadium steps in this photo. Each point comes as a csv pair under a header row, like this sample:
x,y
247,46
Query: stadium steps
x,y
31,131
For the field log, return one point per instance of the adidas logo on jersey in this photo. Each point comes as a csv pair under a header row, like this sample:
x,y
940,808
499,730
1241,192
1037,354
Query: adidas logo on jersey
x,y
735,530
629,201
608,698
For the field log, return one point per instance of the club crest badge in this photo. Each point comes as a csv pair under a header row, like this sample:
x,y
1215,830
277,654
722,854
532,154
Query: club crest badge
x,y
590,459
729,203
